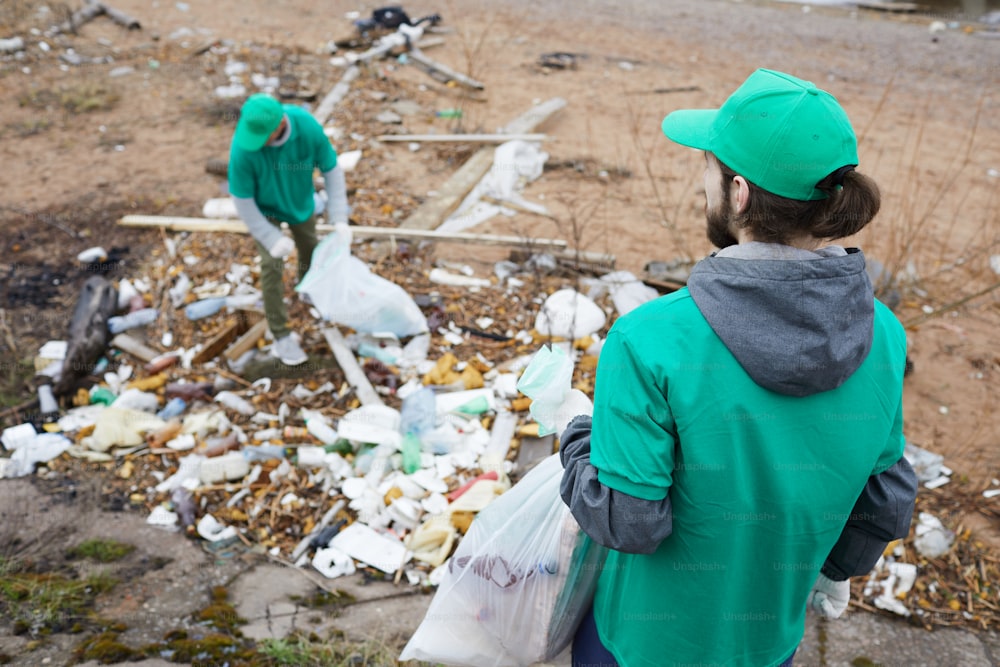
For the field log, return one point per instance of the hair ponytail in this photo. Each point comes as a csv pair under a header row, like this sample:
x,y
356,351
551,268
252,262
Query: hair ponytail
x,y
848,208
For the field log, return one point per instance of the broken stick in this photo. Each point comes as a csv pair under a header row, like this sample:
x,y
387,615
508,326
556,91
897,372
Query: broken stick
x,y
352,370
179,224
434,210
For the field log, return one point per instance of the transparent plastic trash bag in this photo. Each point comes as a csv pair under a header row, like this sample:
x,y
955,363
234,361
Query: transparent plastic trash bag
x,y
546,381
344,290
518,584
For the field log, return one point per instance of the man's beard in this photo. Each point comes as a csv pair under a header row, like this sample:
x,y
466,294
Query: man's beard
x,y
718,220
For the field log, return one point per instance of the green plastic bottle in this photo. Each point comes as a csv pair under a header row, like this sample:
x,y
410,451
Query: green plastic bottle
x,y
411,453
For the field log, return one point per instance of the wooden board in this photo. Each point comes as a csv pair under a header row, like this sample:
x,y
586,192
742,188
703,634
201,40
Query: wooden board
x,y
434,210
180,224
352,369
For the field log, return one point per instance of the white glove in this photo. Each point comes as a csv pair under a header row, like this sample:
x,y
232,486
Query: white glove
x,y
576,403
829,597
282,248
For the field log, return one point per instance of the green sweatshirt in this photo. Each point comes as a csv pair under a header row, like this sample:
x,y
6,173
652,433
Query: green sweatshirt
x,y
280,178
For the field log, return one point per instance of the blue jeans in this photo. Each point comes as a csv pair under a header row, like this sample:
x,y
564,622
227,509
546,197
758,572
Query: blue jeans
x,y
588,651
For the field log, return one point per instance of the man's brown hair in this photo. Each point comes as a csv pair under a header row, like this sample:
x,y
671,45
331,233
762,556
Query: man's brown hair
x,y
849,206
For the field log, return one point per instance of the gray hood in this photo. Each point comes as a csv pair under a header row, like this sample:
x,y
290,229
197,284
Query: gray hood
x,y
799,322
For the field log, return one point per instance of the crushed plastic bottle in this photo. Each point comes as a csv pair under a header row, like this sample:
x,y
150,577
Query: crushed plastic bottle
x,y
235,402
419,412
137,318
322,431
174,407
212,305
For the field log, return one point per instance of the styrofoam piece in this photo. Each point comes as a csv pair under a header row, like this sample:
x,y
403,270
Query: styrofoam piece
x,y
354,487
43,448
362,543
333,563
182,442
429,480
405,511
186,475
213,530
435,503
161,516
377,424
54,350
926,464
226,468
16,437
932,538
569,314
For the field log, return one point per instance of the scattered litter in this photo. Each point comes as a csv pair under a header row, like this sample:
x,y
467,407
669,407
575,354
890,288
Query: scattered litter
x,y
932,538
569,314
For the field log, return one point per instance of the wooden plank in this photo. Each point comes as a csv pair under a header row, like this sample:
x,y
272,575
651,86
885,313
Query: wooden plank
x,y
417,56
221,341
352,370
897,7
179,224
336,94
434,210
247,341
121,18
464,138
86,13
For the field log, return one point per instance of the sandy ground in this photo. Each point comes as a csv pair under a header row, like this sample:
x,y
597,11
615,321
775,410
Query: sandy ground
x,y
924,106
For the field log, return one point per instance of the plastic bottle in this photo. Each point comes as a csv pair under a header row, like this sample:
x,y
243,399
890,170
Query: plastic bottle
x,y
234,402
321,431
418,414
212,305
204,307
136,318
174,407
411,453
47,404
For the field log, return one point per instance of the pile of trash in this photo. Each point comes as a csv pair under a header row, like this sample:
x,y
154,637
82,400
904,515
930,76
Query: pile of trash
x,y
379,460
938,576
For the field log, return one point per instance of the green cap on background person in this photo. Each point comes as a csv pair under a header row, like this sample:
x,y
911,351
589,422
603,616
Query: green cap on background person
x,y
260,116
779,132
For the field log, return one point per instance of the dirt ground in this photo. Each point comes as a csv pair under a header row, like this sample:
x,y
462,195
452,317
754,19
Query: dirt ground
x,y
132,128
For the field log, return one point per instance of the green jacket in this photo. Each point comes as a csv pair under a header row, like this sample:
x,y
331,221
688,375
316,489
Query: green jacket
x,y
736,425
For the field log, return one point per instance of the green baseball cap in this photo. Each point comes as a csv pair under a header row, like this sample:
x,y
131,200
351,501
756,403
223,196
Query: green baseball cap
x,y
260,115
781,133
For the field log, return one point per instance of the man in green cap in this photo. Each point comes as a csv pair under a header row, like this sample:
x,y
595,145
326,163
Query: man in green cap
x,y
273,155
744,457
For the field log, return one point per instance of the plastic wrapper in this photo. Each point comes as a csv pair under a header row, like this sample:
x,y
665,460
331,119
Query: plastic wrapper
x,y
518,584
344,290
546,381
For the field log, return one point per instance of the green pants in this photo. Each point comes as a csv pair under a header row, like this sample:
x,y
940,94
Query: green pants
x,y
272,271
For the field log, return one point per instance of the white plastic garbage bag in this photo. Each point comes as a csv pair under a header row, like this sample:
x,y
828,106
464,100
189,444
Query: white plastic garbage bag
x,y
627,291
569,314
518,585
344,290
